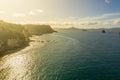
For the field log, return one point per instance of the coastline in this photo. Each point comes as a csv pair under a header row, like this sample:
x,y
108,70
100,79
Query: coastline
x,y
14,37
15,49
22,47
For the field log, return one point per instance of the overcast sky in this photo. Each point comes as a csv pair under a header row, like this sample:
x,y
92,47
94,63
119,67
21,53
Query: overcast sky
x,y
82,12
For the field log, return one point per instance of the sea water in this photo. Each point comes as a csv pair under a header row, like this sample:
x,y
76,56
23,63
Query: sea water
x,y
66,55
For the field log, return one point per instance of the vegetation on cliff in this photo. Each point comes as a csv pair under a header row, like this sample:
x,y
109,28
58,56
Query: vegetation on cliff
x,y
38,29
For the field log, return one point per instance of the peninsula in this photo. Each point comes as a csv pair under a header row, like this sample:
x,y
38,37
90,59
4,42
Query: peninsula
x,y
16,36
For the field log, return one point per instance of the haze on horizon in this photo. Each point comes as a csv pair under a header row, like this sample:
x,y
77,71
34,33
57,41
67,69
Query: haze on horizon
x,y
82,13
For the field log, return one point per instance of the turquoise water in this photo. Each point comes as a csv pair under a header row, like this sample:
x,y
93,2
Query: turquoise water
x,y
66,55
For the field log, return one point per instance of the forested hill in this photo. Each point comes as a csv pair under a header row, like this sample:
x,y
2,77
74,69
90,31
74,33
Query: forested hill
x,y
14,36
38,29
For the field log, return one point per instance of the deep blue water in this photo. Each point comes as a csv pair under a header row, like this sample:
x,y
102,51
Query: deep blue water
x,y
66,55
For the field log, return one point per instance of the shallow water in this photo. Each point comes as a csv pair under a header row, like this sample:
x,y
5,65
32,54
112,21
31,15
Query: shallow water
x,y
67,55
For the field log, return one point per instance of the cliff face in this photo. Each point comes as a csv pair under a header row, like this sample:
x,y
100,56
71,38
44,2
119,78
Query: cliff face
x,y
13,36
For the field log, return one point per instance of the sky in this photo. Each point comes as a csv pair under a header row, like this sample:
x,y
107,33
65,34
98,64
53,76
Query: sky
x,y
82,13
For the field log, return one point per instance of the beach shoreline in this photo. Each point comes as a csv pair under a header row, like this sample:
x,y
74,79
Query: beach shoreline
x,y
7,52
32,42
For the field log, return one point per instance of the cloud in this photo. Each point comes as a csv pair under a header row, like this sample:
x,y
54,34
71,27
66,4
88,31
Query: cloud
x,y
105,19
107,1
31,13
111,18
90,23
109,15
39,10
2,12
116,21
19,15
104,16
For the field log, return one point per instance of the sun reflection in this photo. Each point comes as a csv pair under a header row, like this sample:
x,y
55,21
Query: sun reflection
x,y
18,67
16,61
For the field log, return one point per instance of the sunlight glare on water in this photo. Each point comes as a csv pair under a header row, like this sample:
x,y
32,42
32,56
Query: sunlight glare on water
x,y
18,67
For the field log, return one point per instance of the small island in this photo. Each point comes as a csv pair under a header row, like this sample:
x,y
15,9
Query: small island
x,y
16,36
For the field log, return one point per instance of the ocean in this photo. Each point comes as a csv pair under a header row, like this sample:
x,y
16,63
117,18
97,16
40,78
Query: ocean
x,y
66,55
